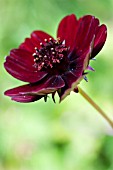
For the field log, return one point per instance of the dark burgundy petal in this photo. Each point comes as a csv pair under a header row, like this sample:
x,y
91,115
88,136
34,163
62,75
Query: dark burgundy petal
x,y
51,85
24,57
34,41
70,78
75,75
100,38
77,60
39,36
26,99
28,45
67,30
71,81
85,33
22,69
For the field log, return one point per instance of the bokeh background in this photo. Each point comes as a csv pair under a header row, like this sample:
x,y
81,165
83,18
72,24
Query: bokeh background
x,y
47,136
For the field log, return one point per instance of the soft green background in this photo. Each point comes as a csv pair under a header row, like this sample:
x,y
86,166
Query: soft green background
x,y
47,136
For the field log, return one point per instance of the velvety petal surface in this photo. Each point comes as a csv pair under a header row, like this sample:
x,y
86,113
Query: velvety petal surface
x,y
67,30
100,38
20,65
26,99
52,84
39,36
85,33
34,41
75,75
24,57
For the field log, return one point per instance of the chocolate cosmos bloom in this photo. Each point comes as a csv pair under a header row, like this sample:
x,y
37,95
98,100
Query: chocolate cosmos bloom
x,y
55,65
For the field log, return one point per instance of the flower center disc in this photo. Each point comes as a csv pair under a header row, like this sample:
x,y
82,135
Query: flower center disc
x,y
50,55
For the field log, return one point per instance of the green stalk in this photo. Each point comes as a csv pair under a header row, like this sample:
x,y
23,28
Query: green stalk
x,y
95,106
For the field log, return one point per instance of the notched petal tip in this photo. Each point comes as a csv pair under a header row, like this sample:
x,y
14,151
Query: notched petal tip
x,y
35,39
67,30
100,39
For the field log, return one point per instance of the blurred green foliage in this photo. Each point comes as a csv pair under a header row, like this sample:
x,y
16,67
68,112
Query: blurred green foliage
x,y
48,136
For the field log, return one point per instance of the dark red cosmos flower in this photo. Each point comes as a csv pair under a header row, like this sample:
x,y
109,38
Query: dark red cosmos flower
x,y
55,65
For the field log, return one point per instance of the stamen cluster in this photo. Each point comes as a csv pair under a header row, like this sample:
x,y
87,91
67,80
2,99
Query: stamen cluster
x,y
52,52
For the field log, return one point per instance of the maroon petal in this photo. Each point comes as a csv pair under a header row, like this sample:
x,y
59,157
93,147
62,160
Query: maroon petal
x,y
26,99
85,33
100,38
24,57
71,81
71,77
75,75
19,66
34,41
67,30
39,36
51,85
28,45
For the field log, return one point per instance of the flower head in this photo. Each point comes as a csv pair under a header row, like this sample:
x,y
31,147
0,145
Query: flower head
x,y
55,65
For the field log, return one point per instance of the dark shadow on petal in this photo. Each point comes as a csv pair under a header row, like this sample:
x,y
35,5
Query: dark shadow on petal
x,y
73,77
85,33
47,86
26,99
71,82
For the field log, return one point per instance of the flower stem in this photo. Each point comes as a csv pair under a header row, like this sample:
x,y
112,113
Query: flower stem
x,y
95,106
